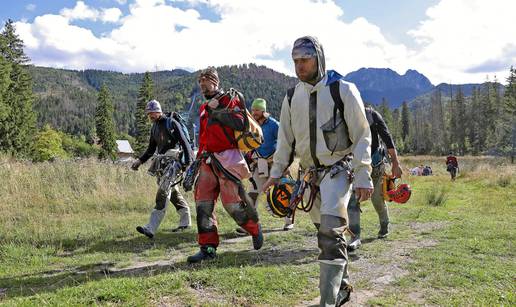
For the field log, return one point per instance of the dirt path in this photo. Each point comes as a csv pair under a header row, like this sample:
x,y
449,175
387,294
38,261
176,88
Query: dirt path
x,y
379,271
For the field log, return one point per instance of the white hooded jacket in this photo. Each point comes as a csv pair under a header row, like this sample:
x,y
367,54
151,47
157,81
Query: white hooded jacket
x,y
295,128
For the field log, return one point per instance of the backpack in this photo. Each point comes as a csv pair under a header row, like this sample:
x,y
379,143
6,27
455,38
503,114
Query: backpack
x,y
252,136
182,123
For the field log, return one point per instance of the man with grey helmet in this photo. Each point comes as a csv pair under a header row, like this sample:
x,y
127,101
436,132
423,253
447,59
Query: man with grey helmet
x,y
166,133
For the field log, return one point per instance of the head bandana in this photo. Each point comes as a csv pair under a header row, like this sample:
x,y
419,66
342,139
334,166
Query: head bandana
x,y
211,75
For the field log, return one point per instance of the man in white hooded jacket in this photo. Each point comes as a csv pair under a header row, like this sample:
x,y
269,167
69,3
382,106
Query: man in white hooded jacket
x,y
313,127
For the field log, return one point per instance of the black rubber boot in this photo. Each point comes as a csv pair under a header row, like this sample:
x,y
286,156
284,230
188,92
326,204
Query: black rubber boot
x,y
144,231
179,228
205,253
258,239
344,295
384,231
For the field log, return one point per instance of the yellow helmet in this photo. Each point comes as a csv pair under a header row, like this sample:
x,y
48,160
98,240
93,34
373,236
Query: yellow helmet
x,y
278,198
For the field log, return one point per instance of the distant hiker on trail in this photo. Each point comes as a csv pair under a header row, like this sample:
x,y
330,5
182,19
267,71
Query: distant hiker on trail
x,y
323,122
261,158
165,134
452,165
221,167
379,130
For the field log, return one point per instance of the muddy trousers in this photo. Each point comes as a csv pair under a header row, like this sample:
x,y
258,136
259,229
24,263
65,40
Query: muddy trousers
x,y
378,203
329,214
158,213
212,184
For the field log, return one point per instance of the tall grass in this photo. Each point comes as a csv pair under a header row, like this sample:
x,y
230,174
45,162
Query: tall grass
x,y
436,196
39,200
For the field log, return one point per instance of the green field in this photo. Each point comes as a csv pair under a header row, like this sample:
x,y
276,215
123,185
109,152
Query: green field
x,y
67,237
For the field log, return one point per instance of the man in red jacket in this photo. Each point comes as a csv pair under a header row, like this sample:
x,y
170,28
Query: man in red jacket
x,y
222,167
452,165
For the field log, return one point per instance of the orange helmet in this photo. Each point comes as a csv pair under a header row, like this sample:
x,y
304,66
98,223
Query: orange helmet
x,y
401,195
278,198
388,185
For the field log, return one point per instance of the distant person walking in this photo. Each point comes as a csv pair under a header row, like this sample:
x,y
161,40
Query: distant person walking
x,y
452,165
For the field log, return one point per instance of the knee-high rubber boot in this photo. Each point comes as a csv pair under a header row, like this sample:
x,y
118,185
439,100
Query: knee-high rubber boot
x,y
185,219
154,221
329,283
182,208
242,216
333,259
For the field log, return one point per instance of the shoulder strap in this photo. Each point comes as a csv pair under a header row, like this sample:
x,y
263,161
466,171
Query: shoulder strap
x,y
369,115
335,94
339,104
169,124
290,94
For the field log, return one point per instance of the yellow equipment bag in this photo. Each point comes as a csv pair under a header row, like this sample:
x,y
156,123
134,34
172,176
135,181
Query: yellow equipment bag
x,y
252,136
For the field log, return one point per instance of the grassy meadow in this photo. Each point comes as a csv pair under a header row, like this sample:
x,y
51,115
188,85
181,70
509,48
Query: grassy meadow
x,y
67,237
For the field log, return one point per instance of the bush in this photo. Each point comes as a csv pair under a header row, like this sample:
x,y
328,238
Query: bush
x,y
48,145
77,146
436,197
504,181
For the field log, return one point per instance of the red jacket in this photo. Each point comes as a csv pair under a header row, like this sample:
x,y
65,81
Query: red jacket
x,y
452,160
216,131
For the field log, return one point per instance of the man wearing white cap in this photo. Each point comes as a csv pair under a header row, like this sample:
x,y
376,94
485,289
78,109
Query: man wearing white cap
x,y
166,133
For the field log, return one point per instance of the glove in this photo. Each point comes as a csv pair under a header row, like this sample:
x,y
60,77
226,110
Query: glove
x,y
136,165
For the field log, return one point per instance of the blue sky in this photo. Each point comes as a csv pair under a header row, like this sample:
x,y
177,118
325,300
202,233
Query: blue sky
x,y
447,40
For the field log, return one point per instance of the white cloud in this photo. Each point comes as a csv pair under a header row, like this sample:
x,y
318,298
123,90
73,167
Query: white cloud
x,y
121,2
81,11
30,7
157,33
110,15
464,40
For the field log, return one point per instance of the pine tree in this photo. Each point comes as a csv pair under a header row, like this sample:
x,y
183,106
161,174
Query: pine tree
x,y
474,122
452,122
396,130
486,126
460,116
439,143
5,73
17,118
105,124
12,48
142,123
386,112
405,121
506,123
